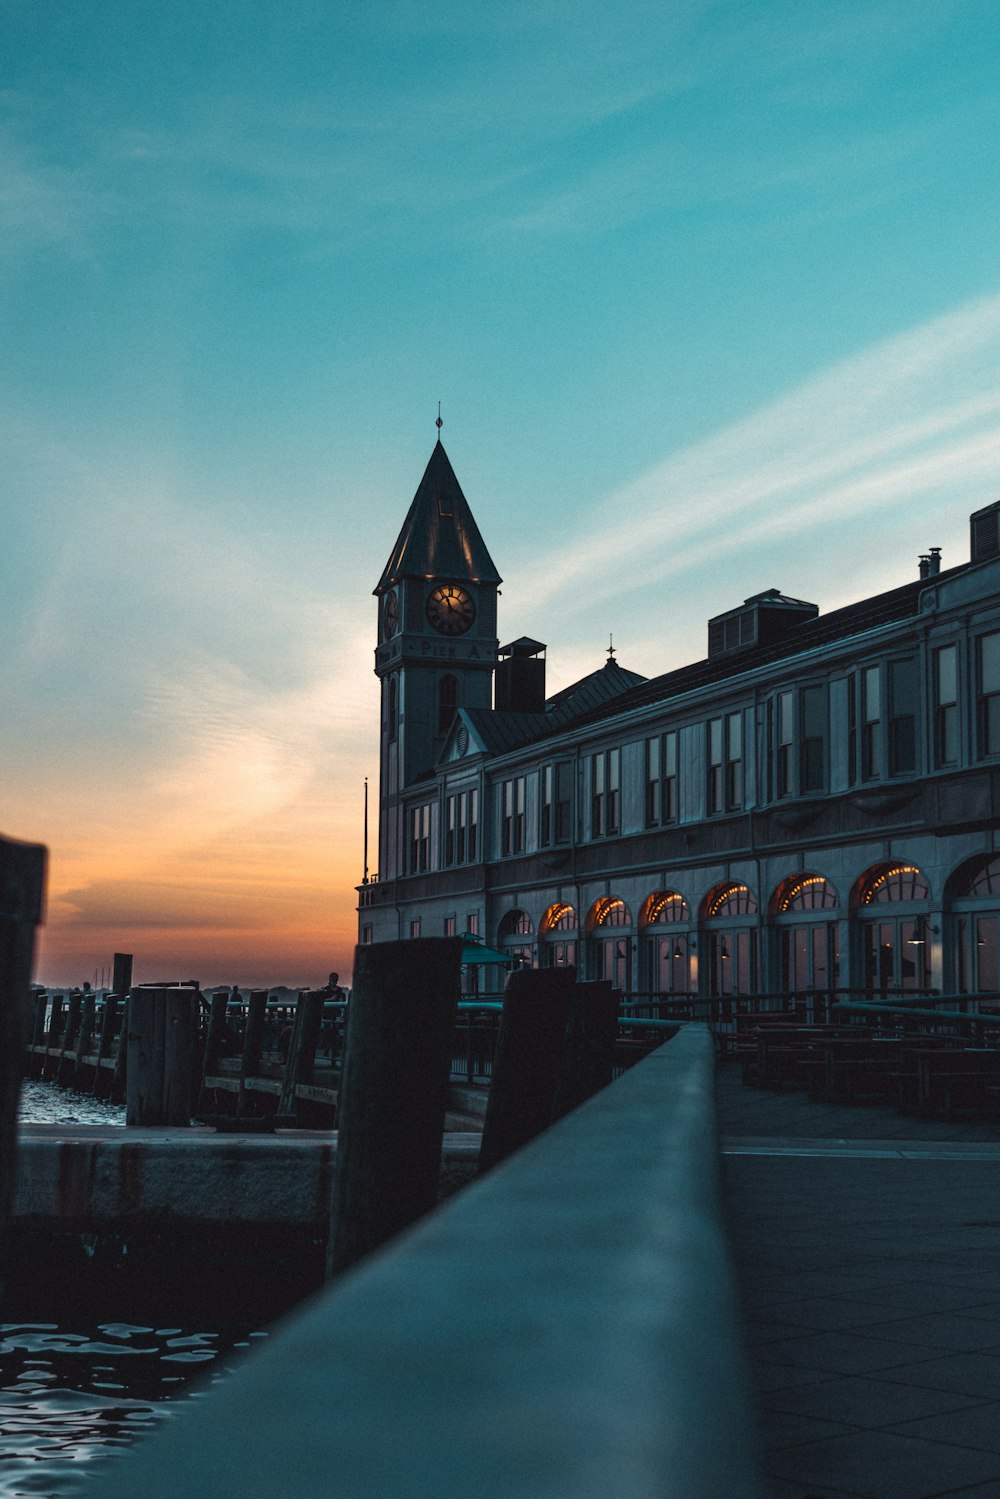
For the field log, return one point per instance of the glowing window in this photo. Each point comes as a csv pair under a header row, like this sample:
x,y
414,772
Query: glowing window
x,y
665,906
610,911
896,882
559,918
807,892
731,900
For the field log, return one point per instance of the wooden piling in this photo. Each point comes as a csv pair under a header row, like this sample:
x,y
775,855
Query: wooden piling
x,y
121,981
109,1017
53,1037
160,1044
84,1040
302,1048
528,1059
253,1045
67,1043
214,1036
38,1034
22,882
394,1091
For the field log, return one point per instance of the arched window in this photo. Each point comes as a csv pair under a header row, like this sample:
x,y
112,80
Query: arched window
x,y
664,906
896,942
515,924
609,957
808,944
559,918
447,702
805,892
729,900
392,709
973,898
732,940
609,911
668,956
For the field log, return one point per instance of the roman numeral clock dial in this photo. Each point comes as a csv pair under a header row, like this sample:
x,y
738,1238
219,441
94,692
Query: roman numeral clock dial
x,y
451,610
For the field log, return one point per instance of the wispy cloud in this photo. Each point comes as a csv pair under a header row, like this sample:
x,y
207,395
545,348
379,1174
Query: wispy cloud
x,y
915,417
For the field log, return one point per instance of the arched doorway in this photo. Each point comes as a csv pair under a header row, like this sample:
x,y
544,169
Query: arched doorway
x,y
665,923
890,905
609,926
973,902
514,935
808,940
557,930
729,915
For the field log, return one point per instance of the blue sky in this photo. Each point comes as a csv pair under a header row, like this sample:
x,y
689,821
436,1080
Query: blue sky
x,y
710,295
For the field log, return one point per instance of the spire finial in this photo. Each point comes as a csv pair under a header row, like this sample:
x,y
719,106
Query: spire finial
x,y
611,649
439,423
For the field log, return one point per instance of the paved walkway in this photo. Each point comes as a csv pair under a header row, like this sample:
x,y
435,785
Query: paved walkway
x,y
868,1251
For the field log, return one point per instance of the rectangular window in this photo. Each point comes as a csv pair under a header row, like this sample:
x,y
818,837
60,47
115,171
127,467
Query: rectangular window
x,y
654,784
871,723
605,792
784,738
414,928
714,788
734,761
661,779
420,839
946,705
852,729
564,800
989,695
449,926
366,935
546,824
512,816
472,830
460,827
472,923
902,717
812,742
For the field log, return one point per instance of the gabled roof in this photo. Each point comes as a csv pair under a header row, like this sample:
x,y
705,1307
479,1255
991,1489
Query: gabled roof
x,y
609,681
500,732
440,538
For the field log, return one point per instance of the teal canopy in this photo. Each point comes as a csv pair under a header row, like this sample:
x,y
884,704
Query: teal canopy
x,y
478,953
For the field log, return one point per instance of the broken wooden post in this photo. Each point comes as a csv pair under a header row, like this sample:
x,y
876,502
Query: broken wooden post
x,y
394,1091
22,882
527,1063
160,1046
106,1035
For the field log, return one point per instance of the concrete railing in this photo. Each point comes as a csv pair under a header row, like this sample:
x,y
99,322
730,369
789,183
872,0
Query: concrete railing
x,y
567,1326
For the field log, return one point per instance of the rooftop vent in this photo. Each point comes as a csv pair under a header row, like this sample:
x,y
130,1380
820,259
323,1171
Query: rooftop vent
x,y
762,619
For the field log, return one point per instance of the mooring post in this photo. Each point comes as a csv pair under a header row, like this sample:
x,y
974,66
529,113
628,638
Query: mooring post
x,y
528,1059
253,1045
120,1075
121,981
38,1034
214,1035
22,883
179,1026
302,1047
588,1054
53,1037
109,1016
68,1041
394,1091
84,1039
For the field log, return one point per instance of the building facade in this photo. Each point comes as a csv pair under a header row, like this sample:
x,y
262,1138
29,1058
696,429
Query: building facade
x,y
815,804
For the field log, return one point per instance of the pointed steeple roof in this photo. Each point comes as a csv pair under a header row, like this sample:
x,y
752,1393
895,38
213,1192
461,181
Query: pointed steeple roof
x,y
440,538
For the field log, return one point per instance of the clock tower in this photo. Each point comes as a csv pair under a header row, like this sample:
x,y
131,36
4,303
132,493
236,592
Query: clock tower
x,y
437,641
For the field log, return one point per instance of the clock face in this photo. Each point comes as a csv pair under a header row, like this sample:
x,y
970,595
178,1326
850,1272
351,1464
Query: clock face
x,y
390,614
451,610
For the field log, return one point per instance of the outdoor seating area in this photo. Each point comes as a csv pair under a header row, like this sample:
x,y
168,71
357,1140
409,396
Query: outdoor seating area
x,y
928,1059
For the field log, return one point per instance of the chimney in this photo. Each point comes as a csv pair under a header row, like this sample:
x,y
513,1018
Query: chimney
x,y
935,561
519,682
925,565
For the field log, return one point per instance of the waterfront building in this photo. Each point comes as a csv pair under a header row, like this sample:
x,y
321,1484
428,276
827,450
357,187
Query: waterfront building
x,y
812,805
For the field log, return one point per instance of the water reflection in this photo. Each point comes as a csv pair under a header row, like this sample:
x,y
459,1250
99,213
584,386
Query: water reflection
x,y
68,1398
43,1103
